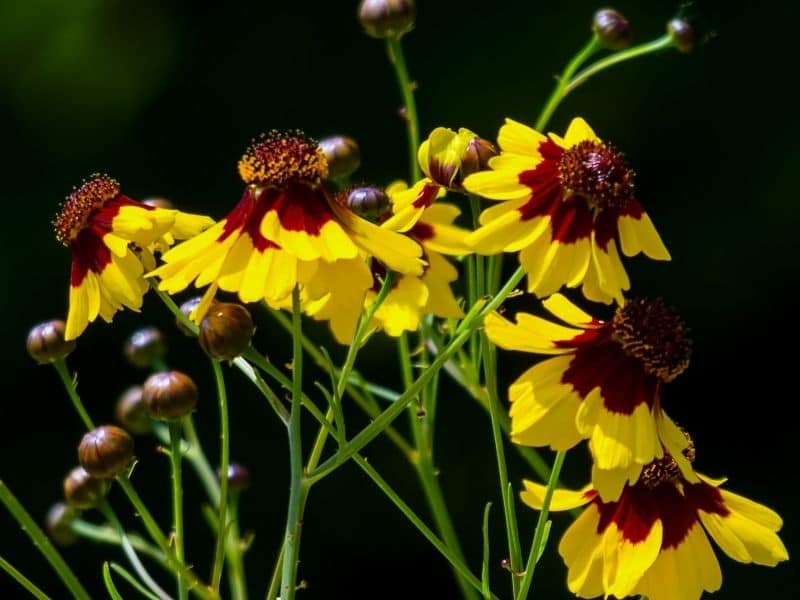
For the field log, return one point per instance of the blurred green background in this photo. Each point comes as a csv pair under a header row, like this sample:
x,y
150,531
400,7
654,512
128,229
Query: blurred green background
x,y
164,96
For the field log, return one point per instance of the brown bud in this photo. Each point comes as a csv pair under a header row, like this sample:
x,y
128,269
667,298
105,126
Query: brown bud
x,y
187,308
46,342
83,491
386,18
57,524
477,156
158,202
343,155
368,201
131,412
145,347
238,477
612,28
106,451
683,34
169,395
226,331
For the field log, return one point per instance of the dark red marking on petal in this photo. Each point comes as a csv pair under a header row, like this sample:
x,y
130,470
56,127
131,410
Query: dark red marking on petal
x,y
704,496
634,514
300,207
89,253
246,217
586,336
571,220
606,223
678,516
422,231
426,196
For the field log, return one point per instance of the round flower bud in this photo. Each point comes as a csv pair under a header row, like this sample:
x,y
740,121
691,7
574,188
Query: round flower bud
x,y
386,18
46,342
226,331
238,477
158,202
83,491
106,451
683,34
342,154
187,308
145,346
131,412
57,524
367,201
477,155
169,395
612,28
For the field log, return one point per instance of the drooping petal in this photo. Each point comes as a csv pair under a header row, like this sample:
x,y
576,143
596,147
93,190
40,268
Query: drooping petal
x,y
533,496
581,550
529,334
638,234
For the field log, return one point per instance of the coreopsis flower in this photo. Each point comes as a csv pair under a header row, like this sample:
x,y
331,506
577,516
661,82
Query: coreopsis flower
x,y
603,384
567,203
653,540
112,238
282,230
446,158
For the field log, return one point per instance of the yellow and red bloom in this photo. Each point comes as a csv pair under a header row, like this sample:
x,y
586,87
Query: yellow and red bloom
x,y
653,540
112,238
282,230
567,203
604,384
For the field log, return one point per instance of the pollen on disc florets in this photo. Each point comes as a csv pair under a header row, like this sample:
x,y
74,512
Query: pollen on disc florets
x,y
278,158
653,333
75,210
665,469
596,172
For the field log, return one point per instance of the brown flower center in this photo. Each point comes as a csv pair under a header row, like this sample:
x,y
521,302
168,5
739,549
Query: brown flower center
x,y
653,333
665,469
75,211
280,158
597,173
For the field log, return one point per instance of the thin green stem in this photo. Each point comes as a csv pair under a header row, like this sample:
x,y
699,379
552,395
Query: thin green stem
x,y
41,542
22,580
224,461
197,458
104,534
663,43
275,581
558,93
235,552
130,552
176,465
69,385
396,57
541,525
298,489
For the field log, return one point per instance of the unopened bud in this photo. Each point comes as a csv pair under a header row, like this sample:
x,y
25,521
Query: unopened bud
x,y
226,331
187,308
83,491
612,28
342,154
145,347
169,395
477,156
238,477
131,412
683,34
158,202
46,342
106,451
367,201
386,18
57,524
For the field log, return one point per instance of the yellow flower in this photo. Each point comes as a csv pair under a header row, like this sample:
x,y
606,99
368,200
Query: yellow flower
x,y
112,238
282,232
603,384
653,541
566,204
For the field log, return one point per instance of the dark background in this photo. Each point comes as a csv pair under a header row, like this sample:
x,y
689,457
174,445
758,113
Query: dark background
x,y
164,96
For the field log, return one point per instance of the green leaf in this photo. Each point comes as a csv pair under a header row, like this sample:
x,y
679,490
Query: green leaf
x,y
112,589
127,577
485,568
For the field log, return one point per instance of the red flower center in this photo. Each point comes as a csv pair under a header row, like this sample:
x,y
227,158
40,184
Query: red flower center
x,y
81,203
652,333
280,158
597,173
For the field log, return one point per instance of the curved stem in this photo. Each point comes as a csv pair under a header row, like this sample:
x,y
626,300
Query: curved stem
x,y
396,57
176,459
69,385
22,580
224,461
104,534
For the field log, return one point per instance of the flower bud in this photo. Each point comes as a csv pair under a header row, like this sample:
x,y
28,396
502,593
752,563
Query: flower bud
x,y
57,524
612,28
106,451
158,202
83,491
447,157
683,34
131,412
145,346
169,395
386,18
367,201
342,154
187,308
46,342
225,331
476,158
238,477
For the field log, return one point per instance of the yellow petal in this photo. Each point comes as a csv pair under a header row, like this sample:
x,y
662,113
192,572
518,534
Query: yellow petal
x,y
624,563
188,225
561,307
611,275
609,483
497,185
77,315
517,138
579,131
402,309
640,235
581,549
534,493
528,334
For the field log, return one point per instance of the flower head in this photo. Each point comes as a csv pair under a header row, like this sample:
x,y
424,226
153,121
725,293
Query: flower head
x,y
112,238
604,385
566,204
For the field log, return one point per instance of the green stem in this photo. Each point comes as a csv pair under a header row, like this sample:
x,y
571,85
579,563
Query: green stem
x,y
275,581
663,43
235,552
224,452
22,580
298,489
176,459
106,535
41,541
558,93
479,283
197,458
69,385
398,61
541,526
